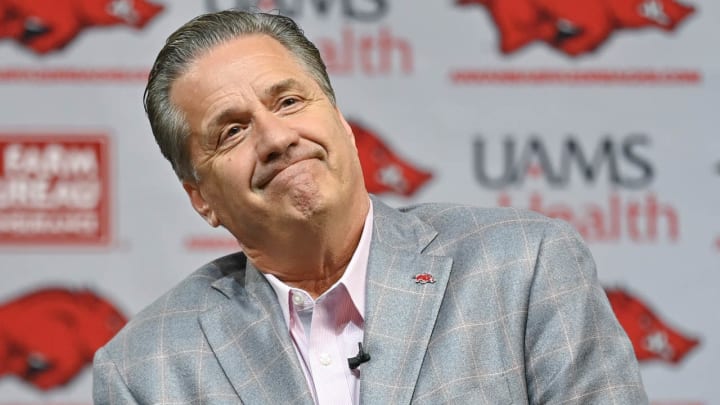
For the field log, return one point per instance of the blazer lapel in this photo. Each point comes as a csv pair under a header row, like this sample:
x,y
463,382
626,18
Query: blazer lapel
x,y
400,313
250,340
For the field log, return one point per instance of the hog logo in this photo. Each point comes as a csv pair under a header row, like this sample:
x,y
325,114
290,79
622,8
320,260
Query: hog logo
x,y
44,26
576,27
652,339
384,171
49,335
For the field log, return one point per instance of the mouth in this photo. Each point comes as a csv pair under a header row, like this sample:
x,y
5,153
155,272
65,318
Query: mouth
x,y
265,173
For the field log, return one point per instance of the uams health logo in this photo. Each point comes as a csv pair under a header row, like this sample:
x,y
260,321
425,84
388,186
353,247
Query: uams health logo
x,y
360,10
618,163
576,27
44,26
368,49
49,335
54,189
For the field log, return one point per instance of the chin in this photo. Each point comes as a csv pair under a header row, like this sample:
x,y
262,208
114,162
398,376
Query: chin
x,y
308,202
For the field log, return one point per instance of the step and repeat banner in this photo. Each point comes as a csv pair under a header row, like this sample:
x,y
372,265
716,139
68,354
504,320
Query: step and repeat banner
x,y
600,112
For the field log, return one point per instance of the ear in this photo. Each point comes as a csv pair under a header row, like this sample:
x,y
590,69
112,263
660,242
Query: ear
x,y
201,206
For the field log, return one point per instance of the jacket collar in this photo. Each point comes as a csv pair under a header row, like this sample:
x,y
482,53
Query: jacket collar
x,y
253,346
400,313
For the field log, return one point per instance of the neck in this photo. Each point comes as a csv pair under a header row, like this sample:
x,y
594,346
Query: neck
x,y
314,255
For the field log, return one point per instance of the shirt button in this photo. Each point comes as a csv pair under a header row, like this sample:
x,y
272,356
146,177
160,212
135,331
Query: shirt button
x,y
298,299
325,359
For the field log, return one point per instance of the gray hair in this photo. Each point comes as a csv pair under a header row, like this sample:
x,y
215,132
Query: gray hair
x,y
192,40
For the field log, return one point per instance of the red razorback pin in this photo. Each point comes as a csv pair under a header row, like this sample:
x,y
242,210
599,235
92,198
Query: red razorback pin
x,y
424,278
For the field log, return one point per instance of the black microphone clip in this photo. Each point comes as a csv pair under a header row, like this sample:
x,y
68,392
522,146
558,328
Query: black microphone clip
x,y
359,359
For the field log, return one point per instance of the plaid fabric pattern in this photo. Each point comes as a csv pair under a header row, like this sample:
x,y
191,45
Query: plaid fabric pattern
x,y
516,316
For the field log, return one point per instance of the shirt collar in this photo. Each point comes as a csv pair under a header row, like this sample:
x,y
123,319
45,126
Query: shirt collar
x,y
354,277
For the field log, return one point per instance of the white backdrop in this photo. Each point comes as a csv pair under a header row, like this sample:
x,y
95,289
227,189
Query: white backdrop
x,y
620,139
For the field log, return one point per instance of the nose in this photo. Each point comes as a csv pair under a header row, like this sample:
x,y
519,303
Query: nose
x,y
274,136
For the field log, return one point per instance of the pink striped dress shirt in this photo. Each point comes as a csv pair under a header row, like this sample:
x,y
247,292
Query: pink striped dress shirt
x,y
326,331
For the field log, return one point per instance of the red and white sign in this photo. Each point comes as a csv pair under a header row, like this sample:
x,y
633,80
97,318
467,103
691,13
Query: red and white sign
x,y
54,189
598,112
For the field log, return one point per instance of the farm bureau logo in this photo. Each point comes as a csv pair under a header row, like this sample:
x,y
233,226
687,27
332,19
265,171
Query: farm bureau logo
x,y
621,162
46,26
362,47
652,339
54,189
49,335
574,27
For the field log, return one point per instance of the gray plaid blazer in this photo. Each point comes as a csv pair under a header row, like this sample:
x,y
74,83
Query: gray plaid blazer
x,y
516,316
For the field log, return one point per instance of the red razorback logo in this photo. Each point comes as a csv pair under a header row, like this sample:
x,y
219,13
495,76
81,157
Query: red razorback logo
x,y
49,335
576,27
652,339
45,26
385,171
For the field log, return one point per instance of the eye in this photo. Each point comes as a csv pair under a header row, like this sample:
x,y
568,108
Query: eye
x,y
288,102
233,130
37,363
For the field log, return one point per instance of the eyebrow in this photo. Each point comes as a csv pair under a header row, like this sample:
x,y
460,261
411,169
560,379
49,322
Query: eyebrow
x,y
280,87
224,116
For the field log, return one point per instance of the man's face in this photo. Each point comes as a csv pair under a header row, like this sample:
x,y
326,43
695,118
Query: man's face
x,y
270,150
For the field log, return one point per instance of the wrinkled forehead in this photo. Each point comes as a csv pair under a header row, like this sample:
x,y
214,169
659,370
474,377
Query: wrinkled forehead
x,y
255,59
243,49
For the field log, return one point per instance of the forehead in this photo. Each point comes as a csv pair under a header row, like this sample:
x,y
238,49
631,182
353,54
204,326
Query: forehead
x,y
245,59
236,71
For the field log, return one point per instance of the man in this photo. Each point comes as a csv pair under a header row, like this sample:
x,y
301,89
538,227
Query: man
x,y
452,304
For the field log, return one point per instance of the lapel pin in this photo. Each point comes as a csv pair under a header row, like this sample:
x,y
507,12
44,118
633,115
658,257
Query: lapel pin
x,y
424,278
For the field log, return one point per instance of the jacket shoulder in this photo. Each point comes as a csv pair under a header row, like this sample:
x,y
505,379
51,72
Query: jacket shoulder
x,y
175,312
446,217
503,234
